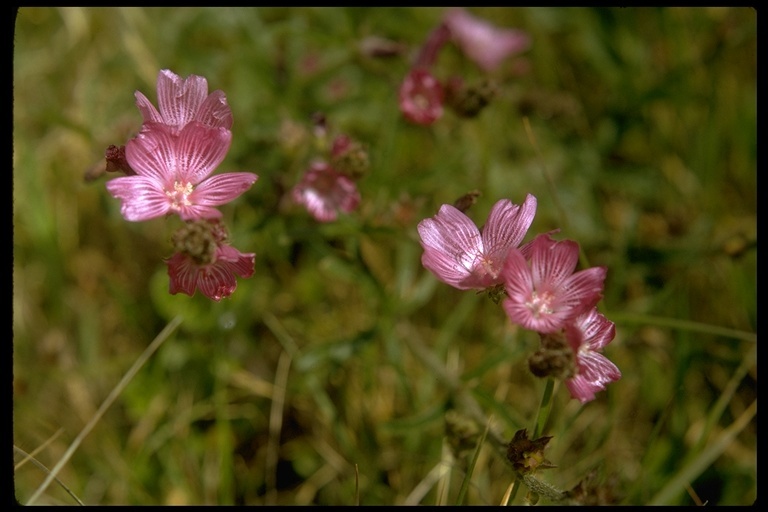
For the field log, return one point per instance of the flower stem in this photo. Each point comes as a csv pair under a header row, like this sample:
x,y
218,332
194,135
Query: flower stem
x,y
544,409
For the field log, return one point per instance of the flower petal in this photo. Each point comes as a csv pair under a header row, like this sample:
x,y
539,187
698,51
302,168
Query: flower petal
x,y
216,281
147,109
200,150
506,226
452,245
215,111
581,291
552,262
222,188
153,152
179,99
142,197
183,274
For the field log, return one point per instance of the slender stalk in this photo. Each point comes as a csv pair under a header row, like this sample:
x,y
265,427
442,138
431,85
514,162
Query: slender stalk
x,y
544,408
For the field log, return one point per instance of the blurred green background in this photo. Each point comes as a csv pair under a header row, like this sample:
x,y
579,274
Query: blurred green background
x,y
327,377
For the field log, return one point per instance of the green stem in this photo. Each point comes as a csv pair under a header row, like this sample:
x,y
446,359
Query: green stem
x,y
544,409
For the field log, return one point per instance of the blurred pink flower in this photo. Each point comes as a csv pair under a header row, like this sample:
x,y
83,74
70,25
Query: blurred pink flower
x,y
172,173
482,42
324,192
544,294
458,254
588,334
421,97
182,101
215,279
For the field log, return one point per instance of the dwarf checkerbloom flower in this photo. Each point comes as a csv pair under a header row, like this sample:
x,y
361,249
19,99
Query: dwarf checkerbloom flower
x,y
460,255
543,292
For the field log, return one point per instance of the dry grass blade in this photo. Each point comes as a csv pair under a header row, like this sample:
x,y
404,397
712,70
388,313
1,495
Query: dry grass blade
x,y
143,358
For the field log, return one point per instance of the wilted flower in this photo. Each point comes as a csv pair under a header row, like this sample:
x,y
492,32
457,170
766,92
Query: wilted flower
x,y
458,254
172,173
588,334
182,101
481,41
206,261
421,97
544,294
324,192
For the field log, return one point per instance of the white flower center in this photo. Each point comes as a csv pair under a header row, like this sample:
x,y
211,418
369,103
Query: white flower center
x,y
540,304
179,196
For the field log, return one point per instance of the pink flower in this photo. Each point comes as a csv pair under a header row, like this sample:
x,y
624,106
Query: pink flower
x,y
458,254
545,294
588,334
182,101
172,173
421,97
215,279
482,42
325,192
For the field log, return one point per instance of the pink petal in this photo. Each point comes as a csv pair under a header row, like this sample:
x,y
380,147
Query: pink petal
x,y
595,373
199,151
182,272
197,212
421,97
142,198
222,188
179,99
215,111
506,226
484,43
325,192
147,109
591,330
153,153
552,262
452,244
581,291
216,281
237,262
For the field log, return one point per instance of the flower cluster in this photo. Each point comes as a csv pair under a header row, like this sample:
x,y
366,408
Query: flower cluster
x,y
168,168
329,186
422,96
538,286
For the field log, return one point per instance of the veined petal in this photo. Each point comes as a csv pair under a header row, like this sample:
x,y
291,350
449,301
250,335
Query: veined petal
x,y
182,272
152,153
142,197
147,109
179,99
216,282
453,233
590,331
595,372
507,225
215,111
192,212
452,245
199,150
222,188
552,262
239,263
581,291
